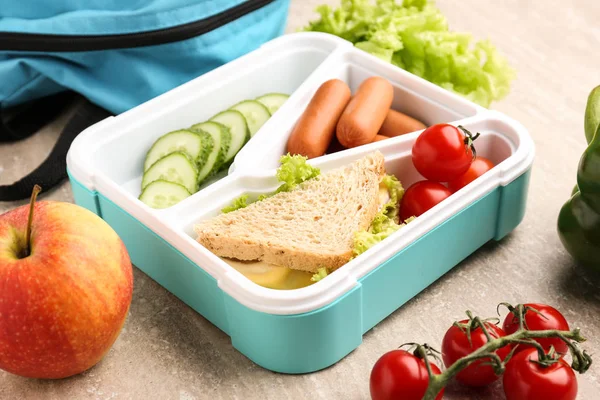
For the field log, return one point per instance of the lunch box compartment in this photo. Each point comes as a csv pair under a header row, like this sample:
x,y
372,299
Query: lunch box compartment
x,y
285,74
120,155
277,328
410,98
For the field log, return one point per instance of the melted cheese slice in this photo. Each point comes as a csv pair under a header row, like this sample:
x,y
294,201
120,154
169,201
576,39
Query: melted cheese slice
x,y
271,276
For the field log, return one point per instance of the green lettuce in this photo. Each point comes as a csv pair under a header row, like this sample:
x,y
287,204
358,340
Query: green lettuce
x,y
293,171
386,221
414,35
396,191
381,52
321,273
382,228
240,202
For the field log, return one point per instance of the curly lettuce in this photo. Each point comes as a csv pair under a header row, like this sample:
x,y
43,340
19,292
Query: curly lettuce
x,y
386,221
380,229
414,35
364,240
240,202
293,171
396,191
321,273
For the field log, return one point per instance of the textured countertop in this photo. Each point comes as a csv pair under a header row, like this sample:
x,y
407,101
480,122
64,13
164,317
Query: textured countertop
x,y
168,351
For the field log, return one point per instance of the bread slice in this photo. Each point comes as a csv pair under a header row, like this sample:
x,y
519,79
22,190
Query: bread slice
x,y
307,228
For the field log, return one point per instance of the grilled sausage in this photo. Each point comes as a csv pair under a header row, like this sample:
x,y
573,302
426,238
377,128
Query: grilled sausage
x,y
316,127
365,112
397,123
379,138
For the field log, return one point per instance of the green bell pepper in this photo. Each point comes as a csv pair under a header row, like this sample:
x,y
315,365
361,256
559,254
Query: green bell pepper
x,y
579,218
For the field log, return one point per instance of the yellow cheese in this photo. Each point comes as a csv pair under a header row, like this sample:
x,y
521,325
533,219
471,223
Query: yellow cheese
x,y
271,276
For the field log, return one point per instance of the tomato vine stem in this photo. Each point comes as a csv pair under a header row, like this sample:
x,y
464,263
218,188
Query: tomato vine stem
x,y
581,360
469,140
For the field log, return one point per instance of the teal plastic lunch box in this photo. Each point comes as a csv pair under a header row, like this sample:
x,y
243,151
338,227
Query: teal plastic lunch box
x,y
275,328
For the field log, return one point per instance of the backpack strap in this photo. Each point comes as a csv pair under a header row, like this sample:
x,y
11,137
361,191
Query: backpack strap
x,y
54,168
22,121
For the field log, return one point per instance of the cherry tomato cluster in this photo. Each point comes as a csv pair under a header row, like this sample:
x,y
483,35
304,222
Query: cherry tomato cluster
x,y
400,374
442,154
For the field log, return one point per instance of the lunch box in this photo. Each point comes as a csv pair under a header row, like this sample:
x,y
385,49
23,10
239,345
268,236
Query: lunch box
x,y
307,329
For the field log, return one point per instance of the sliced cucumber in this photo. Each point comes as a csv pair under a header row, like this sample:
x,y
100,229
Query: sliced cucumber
x,y
235,121
163,194
221,140
183,140
208,144
177,167
273,101
256,114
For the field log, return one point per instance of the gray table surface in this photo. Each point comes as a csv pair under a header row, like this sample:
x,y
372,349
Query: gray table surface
x,y
168,351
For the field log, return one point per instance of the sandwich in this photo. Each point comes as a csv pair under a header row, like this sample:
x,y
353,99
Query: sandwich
x,y
313,222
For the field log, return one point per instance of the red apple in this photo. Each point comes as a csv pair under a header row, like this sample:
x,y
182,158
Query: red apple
x,y
65,288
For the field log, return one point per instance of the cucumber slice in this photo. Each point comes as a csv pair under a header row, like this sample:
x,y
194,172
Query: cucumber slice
x,y
235,121
221,140
163,194
183,140
256,114
273,101
208,144
177,168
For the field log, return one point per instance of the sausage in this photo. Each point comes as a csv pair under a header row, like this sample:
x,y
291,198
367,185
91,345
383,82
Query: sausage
x,y
316,127
334,146
365,112
397,124
379,138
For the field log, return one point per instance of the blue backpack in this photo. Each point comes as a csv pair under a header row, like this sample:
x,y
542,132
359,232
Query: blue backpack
x,y
108,56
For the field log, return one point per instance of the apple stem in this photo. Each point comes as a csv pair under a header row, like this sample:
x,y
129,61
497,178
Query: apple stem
x,y
36,190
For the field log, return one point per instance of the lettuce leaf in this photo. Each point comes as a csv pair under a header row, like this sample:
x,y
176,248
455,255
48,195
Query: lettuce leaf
x,y
240,202
293,171
380,52
381,227
386,221
321,273
391,208
414,35
364,240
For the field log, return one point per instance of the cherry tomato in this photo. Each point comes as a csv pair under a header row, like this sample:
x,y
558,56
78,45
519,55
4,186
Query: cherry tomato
x,y
525,379
442,153
420,197
478,167
550,318
399,374
456,345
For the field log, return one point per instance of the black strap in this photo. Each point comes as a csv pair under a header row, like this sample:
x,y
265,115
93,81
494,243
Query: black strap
x,y
54,169
23,121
